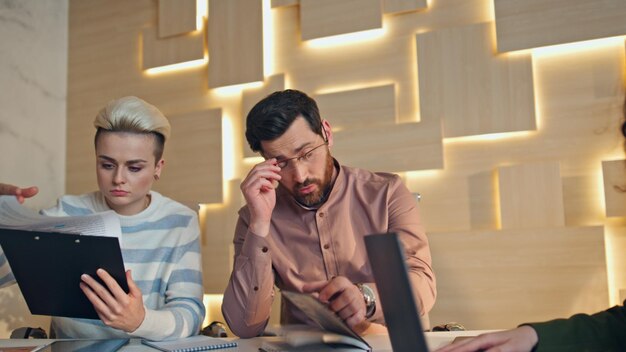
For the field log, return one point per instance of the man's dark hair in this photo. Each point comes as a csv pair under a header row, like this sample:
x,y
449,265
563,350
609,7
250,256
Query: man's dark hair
x,y
273,115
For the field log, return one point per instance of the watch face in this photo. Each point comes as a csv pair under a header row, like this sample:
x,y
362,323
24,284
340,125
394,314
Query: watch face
x,y
368,295
370,300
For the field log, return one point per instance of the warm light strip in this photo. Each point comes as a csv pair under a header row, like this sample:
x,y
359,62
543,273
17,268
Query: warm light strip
x,y
212,302
349,87
611,272
490,137
348,38
253,160
228,149
578,46
268,39
600,187
237,88
496,200
422,173
177,67
201,12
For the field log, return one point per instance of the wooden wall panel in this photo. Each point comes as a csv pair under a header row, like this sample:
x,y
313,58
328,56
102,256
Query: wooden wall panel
x,y
474,91
401,6
371,107
488,280
279,3
218,226
615,243
251,96
235,42
414,146
535,23
194,148
531,196
324,18
614,175
359,117
176,17
483,201
167,51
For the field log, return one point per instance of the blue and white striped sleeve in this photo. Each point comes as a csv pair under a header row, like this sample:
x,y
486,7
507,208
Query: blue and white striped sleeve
x,y
183,310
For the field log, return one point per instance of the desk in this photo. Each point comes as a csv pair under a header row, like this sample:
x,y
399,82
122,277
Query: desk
x,y
379,342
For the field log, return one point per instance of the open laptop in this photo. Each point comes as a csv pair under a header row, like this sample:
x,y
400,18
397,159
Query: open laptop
x,y
386,257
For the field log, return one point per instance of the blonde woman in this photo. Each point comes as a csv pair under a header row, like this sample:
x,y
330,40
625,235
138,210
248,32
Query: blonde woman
x,y
159,236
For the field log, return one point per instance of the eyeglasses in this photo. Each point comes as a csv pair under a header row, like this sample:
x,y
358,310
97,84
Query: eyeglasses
x,y
304,157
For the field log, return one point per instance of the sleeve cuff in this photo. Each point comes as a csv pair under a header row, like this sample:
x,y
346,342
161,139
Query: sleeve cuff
x,y
254,245
154,326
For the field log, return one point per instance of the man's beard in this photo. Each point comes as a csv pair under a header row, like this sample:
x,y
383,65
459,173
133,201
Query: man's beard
x,y
317,197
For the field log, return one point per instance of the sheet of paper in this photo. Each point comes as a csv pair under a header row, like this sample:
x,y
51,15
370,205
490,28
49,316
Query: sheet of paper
x,y
15,216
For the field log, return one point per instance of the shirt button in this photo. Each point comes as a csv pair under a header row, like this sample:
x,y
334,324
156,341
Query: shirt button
x,y
321,215
326,246
264,249
256,288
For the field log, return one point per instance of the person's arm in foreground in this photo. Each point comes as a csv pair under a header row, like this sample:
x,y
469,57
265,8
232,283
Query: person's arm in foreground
x,y
6,276
20,193
603,331
522,339
250,291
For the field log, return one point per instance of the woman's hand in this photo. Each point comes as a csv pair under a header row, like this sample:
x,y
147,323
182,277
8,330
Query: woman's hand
x,y
116,308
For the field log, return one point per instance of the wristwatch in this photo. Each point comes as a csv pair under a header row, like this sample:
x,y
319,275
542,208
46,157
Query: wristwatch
x,y
370,299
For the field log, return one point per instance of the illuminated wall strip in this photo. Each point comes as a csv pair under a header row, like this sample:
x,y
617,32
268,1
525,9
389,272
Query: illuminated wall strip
x,y
416,175
349,87
611,262
213,303
202,8
268,39
237,88
181,66
579,46
228,149
496,200
346,39
490,137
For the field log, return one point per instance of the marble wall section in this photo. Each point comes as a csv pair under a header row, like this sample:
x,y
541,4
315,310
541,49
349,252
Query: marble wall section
x,y
33,86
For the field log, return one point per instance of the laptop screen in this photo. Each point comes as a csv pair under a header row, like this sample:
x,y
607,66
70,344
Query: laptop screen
x,y
386,257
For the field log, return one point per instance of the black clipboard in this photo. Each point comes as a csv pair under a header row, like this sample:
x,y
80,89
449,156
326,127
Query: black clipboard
x,y
47,267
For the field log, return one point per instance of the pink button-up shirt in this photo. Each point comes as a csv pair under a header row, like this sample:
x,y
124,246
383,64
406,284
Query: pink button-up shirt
x,y
306,245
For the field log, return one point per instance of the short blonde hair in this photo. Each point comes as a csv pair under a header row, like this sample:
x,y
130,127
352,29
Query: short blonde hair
x,y
133,115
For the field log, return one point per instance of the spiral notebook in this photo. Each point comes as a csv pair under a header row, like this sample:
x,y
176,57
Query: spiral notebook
x,y
190,344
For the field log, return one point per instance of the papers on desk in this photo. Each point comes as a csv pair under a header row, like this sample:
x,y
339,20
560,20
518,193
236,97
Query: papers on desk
x,y
190,344
15,216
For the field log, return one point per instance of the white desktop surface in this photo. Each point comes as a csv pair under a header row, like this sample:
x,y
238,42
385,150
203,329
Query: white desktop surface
x,y
379,342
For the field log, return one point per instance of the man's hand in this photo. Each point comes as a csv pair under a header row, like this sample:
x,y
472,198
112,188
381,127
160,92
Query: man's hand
x,y
19,193
116,308
522,339
344,298
258,189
